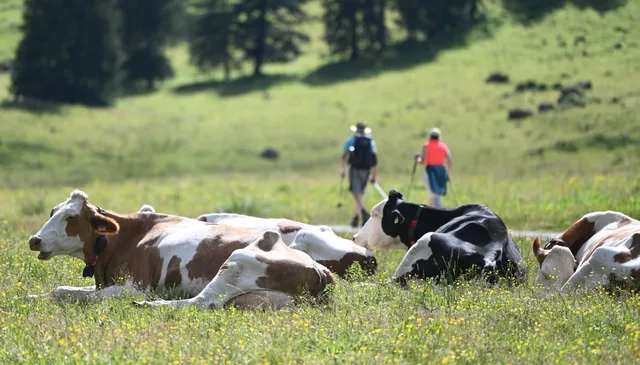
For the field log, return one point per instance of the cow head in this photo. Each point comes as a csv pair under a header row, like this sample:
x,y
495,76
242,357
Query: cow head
x,y
288,269
72,229
556,265
382,230
334,252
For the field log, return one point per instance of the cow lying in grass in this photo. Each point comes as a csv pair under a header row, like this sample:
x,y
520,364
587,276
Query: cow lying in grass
x,y
213,264
599,248
468,239
319,242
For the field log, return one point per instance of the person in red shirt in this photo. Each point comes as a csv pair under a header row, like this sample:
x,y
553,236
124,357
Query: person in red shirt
x,y
437,160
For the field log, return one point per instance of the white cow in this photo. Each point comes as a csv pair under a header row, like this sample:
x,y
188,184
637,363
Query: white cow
x,y
319,242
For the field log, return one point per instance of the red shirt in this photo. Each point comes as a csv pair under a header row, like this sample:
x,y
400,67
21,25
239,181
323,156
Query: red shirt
x,y
436,152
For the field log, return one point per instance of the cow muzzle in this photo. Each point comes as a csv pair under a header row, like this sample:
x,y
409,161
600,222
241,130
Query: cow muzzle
x,y
369,264
34,243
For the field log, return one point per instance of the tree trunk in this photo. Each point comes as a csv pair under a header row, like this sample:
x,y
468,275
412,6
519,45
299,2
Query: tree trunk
x,y
150,83
227,68
355,50
261,35
382,28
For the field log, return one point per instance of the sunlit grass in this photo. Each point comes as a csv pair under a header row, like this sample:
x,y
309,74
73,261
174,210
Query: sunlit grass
x,y
364,321
196,152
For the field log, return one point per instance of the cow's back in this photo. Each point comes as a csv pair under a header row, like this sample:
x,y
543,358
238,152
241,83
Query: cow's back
x,y
481,231
611,235
287,228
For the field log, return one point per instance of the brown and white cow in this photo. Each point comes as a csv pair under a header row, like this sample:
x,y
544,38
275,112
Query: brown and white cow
x,y
212,264
319,242
598,248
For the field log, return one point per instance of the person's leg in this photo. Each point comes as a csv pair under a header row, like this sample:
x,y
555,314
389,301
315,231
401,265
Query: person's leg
x,y
364,175
437,200
427,186
354,188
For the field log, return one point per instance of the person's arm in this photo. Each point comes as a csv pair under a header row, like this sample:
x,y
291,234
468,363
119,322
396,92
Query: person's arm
x,y
374,169
343,162
345,155
423,155
448,159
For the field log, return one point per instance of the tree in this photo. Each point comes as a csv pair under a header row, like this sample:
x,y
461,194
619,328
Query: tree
x,y
354,26
69,52
267,31
147,28
260,31
211,44
434,16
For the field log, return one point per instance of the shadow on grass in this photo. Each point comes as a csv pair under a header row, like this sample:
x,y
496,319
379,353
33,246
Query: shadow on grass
x,y
32,106
530,11
401,56
237,86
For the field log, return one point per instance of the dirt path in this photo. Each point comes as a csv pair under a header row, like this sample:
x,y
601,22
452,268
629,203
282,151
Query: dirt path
x,y
527,234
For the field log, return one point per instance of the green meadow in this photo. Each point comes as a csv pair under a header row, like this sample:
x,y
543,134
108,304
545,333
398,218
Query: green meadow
x,y
194,147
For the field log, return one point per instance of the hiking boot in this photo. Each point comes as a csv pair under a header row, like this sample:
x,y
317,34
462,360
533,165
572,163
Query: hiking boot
x,y
354,222
365,216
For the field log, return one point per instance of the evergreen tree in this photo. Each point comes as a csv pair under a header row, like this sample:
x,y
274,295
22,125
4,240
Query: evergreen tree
x,y
354,26
147,27
260,31
434,16
211,44
69,52
266,31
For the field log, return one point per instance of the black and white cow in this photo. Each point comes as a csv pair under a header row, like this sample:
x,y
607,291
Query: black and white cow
x,y
468,239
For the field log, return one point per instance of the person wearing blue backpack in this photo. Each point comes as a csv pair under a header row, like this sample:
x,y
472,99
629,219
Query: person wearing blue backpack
x,y
361,154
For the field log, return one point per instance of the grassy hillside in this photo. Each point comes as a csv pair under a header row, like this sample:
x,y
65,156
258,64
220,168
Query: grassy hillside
x,y
193,146
195,124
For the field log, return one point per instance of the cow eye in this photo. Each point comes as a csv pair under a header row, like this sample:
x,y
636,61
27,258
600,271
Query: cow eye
x,y
51,214
71,217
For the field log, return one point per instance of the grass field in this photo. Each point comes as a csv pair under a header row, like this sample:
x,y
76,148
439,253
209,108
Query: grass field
x,y
196,125
364,321
192,147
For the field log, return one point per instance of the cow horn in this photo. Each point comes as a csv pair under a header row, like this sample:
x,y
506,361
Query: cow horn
x,y
540,253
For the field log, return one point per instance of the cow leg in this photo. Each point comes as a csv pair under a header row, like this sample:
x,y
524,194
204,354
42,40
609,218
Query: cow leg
x,y
67,292
604,263
88,293
259,300
237,276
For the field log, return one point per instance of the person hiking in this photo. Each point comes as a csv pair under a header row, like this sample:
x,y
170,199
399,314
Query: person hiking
x,y
361,153
436,174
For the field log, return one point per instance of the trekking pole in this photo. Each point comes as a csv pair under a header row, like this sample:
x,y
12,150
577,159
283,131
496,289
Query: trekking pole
x,y
380,190
413,174
455,197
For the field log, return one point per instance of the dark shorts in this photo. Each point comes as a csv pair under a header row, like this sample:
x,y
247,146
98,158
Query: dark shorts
x,y
358,179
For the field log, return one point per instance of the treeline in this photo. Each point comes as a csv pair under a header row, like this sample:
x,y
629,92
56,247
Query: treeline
x,y
88,51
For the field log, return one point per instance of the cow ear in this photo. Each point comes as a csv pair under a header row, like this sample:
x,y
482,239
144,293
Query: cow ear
x,y
540,253
268,240
104,225
398,218
395,195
